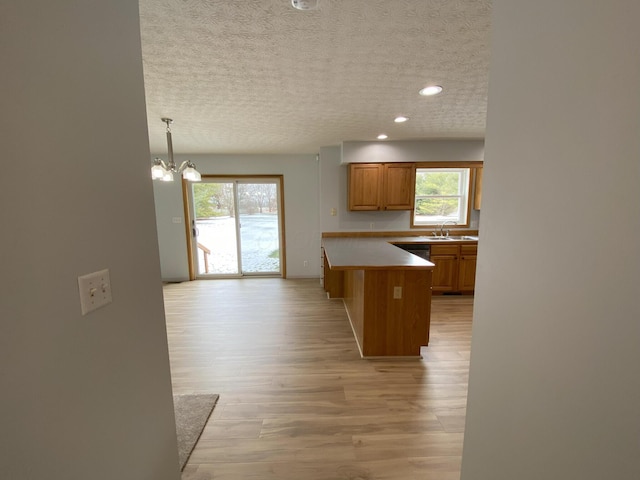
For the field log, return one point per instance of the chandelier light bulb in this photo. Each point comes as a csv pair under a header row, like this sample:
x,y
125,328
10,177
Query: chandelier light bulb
x,y
191,174
157,171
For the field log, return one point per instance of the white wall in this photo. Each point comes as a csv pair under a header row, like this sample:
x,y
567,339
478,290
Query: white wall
x,y
555,383
334,179
301,184
172,238
83,397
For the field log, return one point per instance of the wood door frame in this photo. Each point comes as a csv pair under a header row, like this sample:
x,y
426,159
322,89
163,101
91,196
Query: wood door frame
x,y
278,178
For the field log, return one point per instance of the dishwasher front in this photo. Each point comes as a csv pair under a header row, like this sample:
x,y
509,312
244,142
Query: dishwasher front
x,y
422,250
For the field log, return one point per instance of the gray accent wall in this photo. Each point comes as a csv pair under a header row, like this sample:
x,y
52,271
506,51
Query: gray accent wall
x,y
554,389
83,397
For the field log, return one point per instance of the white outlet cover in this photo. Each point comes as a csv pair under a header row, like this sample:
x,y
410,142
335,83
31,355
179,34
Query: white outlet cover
x,y
95,290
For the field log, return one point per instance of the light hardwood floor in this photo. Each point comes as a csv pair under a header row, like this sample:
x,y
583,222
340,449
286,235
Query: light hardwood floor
x,y
298,402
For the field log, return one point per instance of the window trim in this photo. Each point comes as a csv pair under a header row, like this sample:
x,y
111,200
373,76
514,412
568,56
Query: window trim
x,y
472,165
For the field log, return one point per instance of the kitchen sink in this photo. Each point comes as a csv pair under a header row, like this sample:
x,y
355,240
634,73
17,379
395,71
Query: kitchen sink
x,y
463,237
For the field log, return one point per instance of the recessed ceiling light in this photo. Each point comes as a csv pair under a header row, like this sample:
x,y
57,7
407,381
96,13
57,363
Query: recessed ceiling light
x,y
382,136
401,119
305,4
430,90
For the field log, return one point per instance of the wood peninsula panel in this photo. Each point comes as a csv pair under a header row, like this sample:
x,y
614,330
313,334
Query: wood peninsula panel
x,y
354,302
333,280
383,325
397,327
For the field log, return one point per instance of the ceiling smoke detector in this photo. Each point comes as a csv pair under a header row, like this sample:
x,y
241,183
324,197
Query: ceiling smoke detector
x,y
305,4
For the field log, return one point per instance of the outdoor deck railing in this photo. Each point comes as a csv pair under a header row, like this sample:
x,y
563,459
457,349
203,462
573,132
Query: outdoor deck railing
x,y
206,253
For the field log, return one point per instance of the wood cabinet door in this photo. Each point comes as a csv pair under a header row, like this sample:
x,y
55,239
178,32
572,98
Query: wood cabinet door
x,y
467,273
445,272
365,186
399,186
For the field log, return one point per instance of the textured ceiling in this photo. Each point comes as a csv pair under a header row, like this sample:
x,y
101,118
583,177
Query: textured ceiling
x,y
258,76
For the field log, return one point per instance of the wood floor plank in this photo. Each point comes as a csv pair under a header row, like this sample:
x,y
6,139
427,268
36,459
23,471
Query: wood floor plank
x,y
443,468
298,402
381,446
349,425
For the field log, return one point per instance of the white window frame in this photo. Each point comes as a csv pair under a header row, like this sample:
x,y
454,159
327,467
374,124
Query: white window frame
x,y
464,196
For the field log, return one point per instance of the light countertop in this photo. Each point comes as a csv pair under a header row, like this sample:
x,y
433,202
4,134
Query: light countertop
x,y
379,253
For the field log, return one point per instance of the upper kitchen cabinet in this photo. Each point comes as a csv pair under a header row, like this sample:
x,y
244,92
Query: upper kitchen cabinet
x,y
381,186
365,186
399,183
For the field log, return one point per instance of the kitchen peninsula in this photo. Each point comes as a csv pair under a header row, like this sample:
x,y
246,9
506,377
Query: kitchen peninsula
x,y
386,292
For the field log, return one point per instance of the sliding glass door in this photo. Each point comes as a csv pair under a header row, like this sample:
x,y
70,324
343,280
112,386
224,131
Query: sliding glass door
x,y
259,227
237,226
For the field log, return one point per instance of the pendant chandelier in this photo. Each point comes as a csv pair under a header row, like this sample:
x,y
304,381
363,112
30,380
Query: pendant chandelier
x,y
164,171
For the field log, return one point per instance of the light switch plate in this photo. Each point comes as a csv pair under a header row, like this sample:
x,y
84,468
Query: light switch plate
x,y
95,290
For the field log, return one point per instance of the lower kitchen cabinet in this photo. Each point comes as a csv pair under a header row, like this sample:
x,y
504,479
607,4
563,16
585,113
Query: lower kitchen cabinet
x,y
445,272
467,268
455,268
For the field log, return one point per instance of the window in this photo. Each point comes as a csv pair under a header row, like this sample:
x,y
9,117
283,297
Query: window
x,y
442,194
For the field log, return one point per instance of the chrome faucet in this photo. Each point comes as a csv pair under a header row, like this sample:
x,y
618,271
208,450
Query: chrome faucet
x,y
442,227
